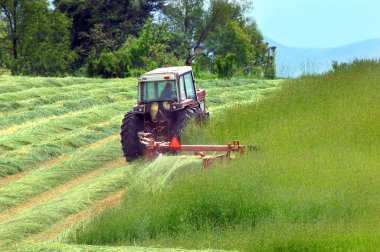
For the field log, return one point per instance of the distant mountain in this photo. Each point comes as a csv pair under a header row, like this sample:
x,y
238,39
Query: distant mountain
x,y
293,61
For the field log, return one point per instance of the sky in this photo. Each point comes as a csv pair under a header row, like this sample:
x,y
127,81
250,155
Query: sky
x,y
317,23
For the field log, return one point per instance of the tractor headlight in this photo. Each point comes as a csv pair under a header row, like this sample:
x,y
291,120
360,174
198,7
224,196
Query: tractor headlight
x,y
139,108
176,106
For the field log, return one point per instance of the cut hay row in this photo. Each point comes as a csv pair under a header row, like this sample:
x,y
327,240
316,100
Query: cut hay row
x,y
52,94
11,84
111,201
43,180
59,190
74,112
31,221
32,113
37,132
16,103
9,179
29,157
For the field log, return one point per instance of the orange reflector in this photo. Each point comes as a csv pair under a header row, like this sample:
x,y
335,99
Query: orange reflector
x,y
166,77
236,143
174,144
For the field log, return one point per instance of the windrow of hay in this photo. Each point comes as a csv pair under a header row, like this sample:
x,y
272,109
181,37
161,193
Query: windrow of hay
x,y
44,215
17,176
43,180
55,125
111,201
10,122
59,189
50,95
16,84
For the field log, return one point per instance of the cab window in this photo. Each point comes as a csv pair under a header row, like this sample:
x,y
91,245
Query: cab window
x,y
158,91
189,85
182,91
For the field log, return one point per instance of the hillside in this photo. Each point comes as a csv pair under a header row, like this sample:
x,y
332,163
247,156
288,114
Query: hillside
x,y
293,61
60,153
310,185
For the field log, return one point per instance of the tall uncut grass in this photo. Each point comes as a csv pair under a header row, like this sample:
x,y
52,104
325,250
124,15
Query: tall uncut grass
x,y
310,185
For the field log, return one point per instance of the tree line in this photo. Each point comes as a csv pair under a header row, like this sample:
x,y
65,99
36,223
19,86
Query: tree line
x,y
122,38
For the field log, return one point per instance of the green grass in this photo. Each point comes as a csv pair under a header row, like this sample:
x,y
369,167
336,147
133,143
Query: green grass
x,y
53,140
31,221
311,185
33,155
43,180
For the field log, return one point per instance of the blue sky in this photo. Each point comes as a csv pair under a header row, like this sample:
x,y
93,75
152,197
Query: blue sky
x,y
317,23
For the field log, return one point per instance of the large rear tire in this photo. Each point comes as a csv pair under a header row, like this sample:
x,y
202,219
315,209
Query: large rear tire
x,y
183,118
132,148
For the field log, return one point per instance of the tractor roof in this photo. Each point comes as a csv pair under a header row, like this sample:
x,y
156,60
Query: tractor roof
x,y
170,70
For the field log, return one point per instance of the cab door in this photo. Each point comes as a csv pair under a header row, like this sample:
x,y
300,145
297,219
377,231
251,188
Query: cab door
x,y
188,86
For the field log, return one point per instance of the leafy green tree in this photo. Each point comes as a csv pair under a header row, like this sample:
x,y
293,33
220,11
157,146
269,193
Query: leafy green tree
x,y
192,21
46,47
38,36
104,24
239,41
188,23
226,65
4,48
14,13
110,65
231,39
150,50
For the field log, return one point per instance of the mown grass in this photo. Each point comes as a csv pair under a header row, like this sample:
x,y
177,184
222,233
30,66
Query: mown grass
x,y
311,185
51,138
62,104
44,215
35,155
43,180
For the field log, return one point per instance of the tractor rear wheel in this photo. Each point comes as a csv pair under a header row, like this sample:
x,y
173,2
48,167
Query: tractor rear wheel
x,y
183,117
132,124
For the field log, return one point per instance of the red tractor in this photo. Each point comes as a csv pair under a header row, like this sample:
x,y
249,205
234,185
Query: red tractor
x,y
167,99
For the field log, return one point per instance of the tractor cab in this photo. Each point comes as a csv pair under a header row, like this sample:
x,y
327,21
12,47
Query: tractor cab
x,y
170,83
168,90
167,99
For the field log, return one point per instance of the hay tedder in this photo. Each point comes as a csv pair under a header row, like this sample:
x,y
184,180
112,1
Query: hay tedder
x,y
167,100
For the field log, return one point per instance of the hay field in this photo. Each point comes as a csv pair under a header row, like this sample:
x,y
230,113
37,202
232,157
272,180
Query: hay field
x,y
60,156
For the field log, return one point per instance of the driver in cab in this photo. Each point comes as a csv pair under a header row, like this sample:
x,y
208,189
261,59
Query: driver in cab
x,y
168,92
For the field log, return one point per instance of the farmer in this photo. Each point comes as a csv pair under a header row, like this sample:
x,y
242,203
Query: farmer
x,y
167,92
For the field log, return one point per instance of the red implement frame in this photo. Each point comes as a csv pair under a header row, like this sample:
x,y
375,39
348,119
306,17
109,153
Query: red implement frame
x,y
153,149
